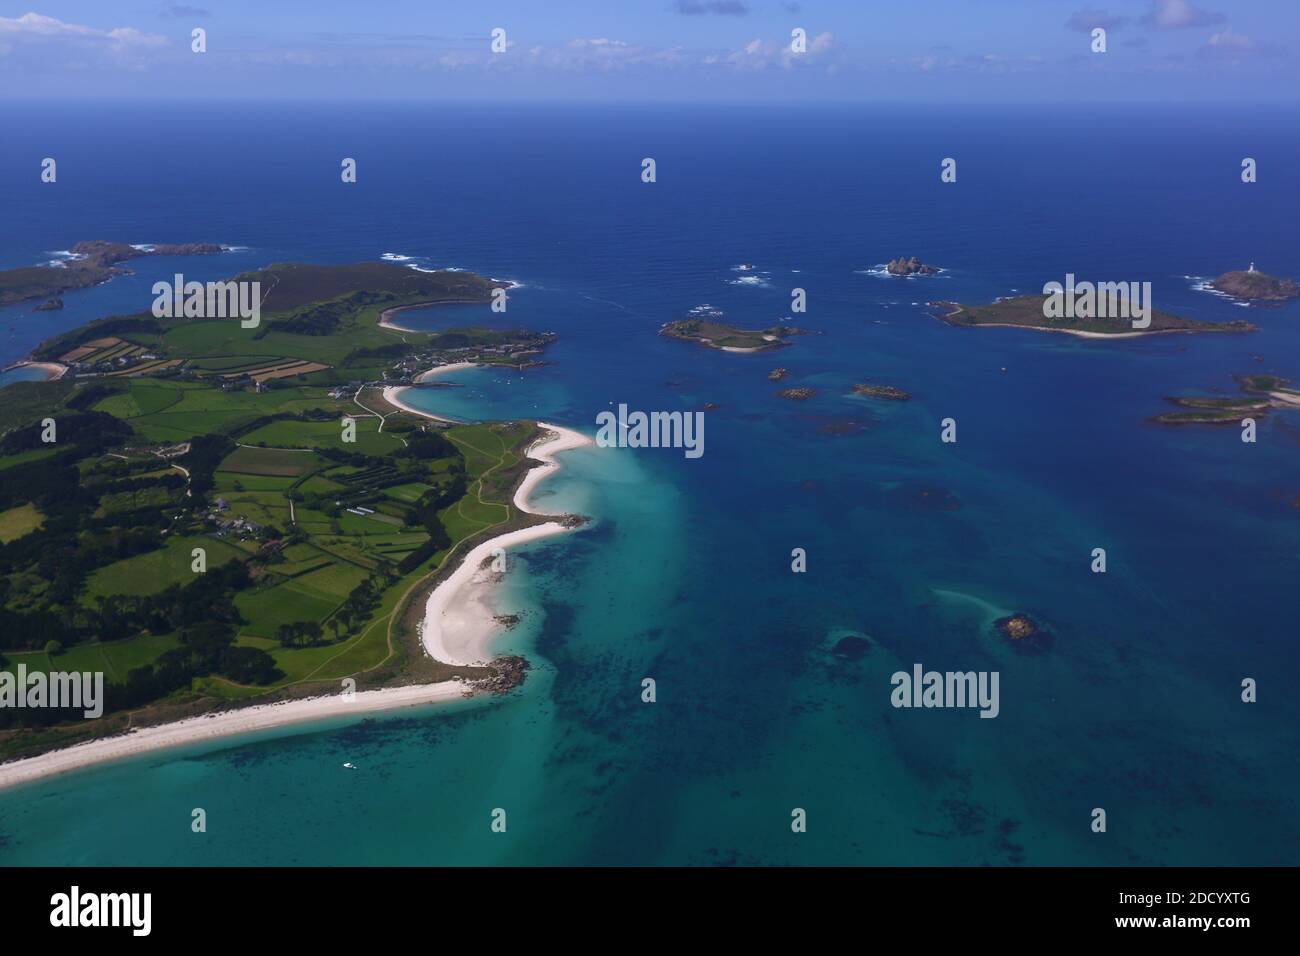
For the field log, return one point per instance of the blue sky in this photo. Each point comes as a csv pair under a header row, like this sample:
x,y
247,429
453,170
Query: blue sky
x,y
1194,51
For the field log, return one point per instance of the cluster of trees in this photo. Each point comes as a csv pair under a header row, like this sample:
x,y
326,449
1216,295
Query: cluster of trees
x,y
209,597
362,601
429,446
207,648
205,454
300,634
426,510
382,354
71,542
203,614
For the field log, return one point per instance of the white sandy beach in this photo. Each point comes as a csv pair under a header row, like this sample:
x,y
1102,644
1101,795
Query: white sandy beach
x,y
393,393
1081,333
229,723
458,628
458,620
52,370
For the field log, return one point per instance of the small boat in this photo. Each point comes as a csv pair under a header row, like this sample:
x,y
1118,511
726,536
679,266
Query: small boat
x,y
350,766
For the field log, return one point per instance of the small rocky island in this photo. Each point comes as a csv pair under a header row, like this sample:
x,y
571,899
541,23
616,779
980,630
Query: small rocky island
x,y
50,305
92,262
910,267
1254,286
801,394
881,391
777,374
1262,394
726,338
1023,631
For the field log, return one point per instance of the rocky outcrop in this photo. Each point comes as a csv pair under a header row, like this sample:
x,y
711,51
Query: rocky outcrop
x,y
50,305
910,267
93,261
777,374
1024,632
102,253
881,391
797,394
510,673
1255,286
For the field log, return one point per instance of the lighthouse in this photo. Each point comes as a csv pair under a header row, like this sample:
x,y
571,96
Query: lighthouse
x,y
1252,267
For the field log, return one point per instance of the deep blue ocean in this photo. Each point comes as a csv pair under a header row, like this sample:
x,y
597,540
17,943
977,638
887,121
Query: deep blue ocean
x,y
684,575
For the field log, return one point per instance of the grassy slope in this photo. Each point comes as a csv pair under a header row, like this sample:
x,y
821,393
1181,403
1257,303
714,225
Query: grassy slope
x,y
19,521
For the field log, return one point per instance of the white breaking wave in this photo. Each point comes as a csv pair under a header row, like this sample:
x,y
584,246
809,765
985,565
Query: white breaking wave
x,y
61,258
881,271
419,263
1202,284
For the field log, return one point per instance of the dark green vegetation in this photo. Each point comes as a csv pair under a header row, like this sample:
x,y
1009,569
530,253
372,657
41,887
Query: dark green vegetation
x,y
1263,393
97,263
1256,286
317,549
1026,311
715,335
319,325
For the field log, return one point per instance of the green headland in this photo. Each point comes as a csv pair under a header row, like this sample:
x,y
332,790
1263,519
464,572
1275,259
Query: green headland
x,y
173,435
716,335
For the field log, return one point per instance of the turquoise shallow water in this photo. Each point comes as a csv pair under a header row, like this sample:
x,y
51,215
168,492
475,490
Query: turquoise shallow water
x,y
684,573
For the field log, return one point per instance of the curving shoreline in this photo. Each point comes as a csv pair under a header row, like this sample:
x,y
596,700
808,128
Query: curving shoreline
x,y
386,321
229,723
53,370
392,394
458,621
461,639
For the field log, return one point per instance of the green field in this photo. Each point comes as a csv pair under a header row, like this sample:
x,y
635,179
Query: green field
x,y
115,659
154,571
274,462
19,521
172,410
327,434
36,454
236,481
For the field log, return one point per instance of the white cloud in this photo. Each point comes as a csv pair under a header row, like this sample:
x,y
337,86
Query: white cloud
x,y
1227,40
1086,20
35,26
1176,14
37,44
759,54
1227,45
